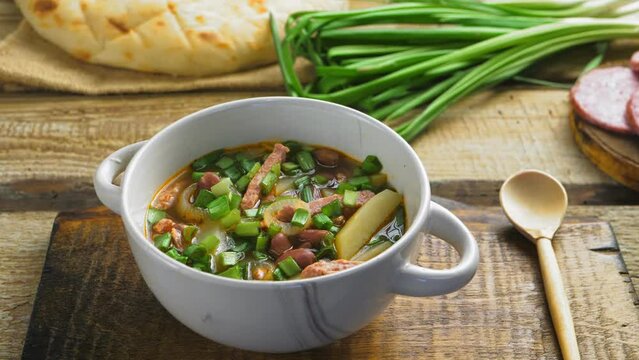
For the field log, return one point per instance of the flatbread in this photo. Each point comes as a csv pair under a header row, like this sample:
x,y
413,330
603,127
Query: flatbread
x,y
179,37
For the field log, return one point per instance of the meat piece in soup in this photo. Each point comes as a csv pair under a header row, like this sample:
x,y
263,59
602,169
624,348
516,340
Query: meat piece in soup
x,y
275,211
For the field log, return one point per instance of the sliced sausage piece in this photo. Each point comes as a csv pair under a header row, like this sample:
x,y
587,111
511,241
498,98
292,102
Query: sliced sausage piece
x,y
633,112
326,157
163,226
303,257
316,206
279,244
634,61
328,267
601,97
208,180
312,236
167,197
252,194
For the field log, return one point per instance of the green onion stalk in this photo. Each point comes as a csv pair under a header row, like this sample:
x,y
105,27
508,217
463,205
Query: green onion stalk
x,y
393,60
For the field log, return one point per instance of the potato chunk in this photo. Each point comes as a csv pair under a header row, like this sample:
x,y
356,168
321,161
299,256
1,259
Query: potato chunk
x,y
365,223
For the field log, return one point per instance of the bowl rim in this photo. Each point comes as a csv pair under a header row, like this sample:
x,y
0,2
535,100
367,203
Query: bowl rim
x,y
417,226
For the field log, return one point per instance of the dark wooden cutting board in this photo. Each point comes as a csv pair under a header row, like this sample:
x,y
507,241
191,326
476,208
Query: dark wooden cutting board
x,y
93,303
615,154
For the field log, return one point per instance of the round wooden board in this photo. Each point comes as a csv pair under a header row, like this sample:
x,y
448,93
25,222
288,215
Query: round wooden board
x,y
616,155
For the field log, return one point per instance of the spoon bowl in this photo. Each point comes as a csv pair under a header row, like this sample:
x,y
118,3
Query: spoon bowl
x,y
535,202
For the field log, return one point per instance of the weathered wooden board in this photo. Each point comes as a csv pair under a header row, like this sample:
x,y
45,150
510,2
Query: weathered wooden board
x,y
616,155
92,302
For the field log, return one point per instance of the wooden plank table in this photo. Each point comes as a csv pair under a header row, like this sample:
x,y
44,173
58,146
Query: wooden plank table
x,y
50,144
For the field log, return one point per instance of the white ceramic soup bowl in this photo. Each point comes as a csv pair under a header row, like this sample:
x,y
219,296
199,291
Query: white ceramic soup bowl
x,y
285,316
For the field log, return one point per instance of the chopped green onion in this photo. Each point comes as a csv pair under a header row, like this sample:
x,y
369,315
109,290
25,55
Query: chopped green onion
x,y
261,210
236,272
219,207
305,160
207,161
242,246
334,229
359,181
300,217
261,244
321,221
163,242
204,198
247,165
196,252
289,267
256,167
251,212
259,255
320,179
229,258
173,253
302,181
307,194
196,175
210,243
222,188
234,200
341,188
249,228
233,172
328,247
189,232
277,169
350,198
292,145
332,209
274,229
278,275
202,266
154,215
358,172
371,165
290,168
242,183
268,182
231,219
224,162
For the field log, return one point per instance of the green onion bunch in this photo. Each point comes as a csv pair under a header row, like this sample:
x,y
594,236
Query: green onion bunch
x,y
391,60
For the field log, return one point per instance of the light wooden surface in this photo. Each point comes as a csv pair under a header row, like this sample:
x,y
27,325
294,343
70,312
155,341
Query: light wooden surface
x,y
50,144
501,313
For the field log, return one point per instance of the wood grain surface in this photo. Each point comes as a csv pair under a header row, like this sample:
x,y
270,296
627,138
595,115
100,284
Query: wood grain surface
x,y
93,303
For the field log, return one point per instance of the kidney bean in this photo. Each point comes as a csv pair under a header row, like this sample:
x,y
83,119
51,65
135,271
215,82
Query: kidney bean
x,y
303,257
286,214
279,244
326,157
313,236
208,180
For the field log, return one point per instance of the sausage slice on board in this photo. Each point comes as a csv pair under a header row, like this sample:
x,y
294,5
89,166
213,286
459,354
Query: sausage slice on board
x,y
601,97
633,112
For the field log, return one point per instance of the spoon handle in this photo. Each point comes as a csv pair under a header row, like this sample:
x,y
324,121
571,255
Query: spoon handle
x,y
557,300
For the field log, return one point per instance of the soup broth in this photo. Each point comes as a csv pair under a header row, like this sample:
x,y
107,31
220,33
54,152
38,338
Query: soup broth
x,y
276,211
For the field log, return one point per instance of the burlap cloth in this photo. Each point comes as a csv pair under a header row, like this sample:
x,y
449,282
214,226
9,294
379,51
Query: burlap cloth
x,y
27,59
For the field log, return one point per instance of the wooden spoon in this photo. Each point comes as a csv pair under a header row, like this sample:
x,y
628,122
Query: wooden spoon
x,y
535,203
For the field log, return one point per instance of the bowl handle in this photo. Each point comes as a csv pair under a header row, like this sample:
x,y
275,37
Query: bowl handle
x,y
109,193
413,280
